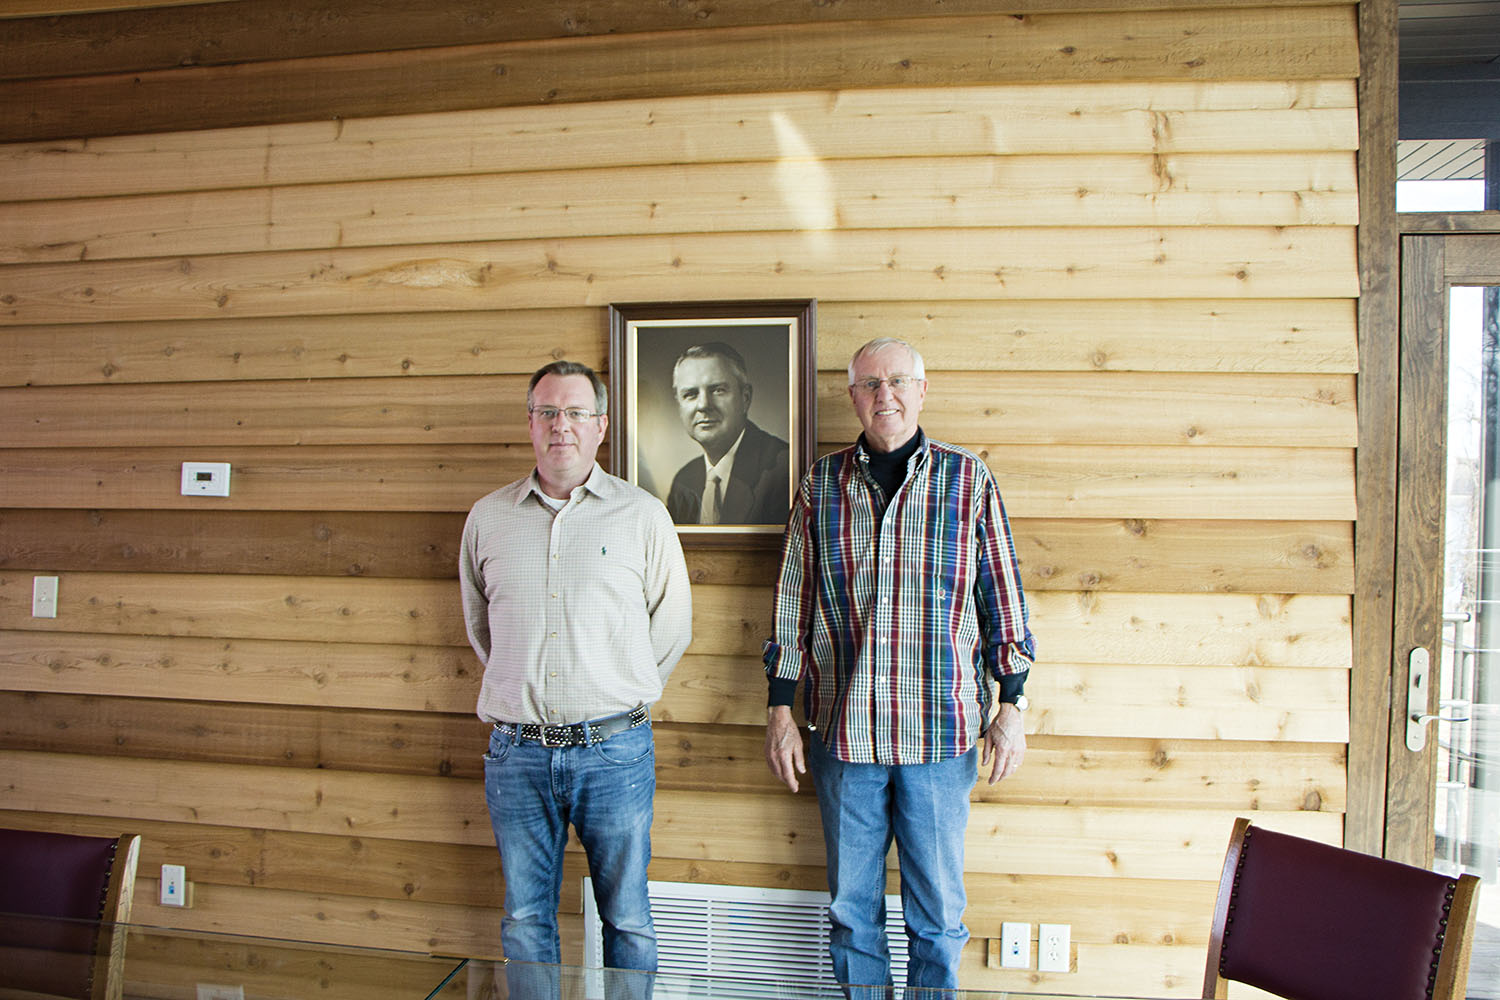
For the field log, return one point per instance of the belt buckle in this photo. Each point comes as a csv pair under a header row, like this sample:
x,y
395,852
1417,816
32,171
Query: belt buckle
x,y
547,742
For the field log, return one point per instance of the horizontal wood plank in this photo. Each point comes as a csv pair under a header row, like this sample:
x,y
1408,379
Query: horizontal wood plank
x,y
354,675
1308,43
1079,627
1240,703
349,921
1064,481
1307,336
1153,117
1162,335
308,478
1175,701
327,864
495,342
1115,408
281,543
1308,557
1193,629
1294,189
1108,408
1301,484
941,264
1280,557
134,35
1059,770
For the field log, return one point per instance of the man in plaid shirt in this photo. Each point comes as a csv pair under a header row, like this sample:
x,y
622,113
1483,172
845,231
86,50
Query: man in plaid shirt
x,y
899,608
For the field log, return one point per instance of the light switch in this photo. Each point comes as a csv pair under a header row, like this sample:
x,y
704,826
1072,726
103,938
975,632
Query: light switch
x,y
44,597
205,479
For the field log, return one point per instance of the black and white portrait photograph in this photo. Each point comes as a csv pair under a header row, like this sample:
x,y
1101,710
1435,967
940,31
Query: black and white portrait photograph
x,y
713,409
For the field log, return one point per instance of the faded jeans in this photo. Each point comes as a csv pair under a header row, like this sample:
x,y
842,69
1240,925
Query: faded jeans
x,y
605,791
925,809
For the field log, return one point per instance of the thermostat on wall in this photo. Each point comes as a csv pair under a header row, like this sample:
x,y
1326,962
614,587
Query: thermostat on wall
x,y
205,479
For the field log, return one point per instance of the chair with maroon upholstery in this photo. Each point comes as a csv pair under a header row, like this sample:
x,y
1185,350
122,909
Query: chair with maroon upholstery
x,y
1307,921
61,896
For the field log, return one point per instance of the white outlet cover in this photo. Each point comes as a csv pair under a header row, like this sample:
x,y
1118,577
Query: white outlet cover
x,y
1054,947
1015,946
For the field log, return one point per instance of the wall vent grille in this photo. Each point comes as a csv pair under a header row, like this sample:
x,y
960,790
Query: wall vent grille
x,y
754,944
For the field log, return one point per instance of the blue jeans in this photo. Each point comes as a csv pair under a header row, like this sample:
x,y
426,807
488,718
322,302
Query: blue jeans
x,y
925,808
605,791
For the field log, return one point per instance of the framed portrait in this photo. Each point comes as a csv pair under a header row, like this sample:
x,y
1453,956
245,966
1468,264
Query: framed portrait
x,y
713,410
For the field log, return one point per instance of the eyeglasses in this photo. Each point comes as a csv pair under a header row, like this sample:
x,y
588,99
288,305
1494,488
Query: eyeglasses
x,y
898,383
575,414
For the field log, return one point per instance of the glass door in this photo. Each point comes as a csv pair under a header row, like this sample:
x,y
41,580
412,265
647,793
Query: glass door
x,y
1443,762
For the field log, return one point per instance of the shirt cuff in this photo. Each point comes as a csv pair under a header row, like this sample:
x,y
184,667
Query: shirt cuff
x,y
1011,686
782,692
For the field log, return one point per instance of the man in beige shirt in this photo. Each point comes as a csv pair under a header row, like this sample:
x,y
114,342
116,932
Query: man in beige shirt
x,y
576,601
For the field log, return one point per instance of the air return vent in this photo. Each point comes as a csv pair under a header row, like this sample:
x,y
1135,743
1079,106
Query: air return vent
x,y
756,944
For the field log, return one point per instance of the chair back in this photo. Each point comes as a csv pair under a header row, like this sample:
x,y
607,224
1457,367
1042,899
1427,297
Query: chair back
x,y
80,887
1307,921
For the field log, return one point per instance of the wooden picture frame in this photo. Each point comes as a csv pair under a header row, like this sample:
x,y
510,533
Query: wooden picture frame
x,y
664,437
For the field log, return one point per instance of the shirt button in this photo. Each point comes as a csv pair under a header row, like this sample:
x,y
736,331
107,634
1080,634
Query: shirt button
x,y
553,634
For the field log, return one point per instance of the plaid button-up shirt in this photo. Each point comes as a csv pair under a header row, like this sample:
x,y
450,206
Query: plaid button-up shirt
x,y
894,613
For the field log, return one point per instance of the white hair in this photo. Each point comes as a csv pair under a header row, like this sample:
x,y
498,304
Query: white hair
x,y
919,368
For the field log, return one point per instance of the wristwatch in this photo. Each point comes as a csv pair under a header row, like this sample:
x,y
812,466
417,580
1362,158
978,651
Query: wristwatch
x,y
1022,703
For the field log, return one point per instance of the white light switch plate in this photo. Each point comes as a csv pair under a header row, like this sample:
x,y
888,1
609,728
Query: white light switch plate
x,y
44,597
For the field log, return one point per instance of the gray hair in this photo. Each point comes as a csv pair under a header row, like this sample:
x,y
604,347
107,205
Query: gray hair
x,y
919,368
564,368
715,349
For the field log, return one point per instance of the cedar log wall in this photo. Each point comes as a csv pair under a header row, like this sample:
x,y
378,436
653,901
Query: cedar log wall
x,y
1124,241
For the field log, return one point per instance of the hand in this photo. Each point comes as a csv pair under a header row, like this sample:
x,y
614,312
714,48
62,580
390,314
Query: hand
x,y
1005,740
784,746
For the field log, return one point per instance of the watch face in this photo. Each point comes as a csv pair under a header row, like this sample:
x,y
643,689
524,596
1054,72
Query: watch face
x,y
1022,703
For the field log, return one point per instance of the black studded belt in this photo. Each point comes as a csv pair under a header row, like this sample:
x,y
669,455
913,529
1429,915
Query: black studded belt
x,y
579,733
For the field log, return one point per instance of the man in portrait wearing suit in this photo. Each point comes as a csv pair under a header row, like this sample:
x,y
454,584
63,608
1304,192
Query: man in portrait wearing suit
x,y
744,474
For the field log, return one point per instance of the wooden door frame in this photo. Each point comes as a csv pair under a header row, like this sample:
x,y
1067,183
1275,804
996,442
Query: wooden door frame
x,y
1376,680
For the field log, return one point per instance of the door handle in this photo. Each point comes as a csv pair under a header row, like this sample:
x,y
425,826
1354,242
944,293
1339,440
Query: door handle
x,y
1418,677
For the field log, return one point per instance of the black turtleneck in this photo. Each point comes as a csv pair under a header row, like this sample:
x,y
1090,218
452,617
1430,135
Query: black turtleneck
x,y
889,467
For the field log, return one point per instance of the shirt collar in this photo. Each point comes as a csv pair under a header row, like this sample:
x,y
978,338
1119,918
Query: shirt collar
x,y
598,483
863,453
726,464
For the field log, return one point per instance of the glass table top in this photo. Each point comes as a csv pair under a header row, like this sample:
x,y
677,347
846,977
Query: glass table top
x,y
51,957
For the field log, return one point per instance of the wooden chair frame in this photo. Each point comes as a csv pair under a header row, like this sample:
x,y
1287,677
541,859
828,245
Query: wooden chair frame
x,y
106,959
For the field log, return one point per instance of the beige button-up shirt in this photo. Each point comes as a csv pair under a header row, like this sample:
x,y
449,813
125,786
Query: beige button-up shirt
x,y
578,613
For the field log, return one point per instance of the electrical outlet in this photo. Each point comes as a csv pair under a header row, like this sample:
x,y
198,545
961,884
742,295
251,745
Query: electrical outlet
x,y
1015,946
1054,947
